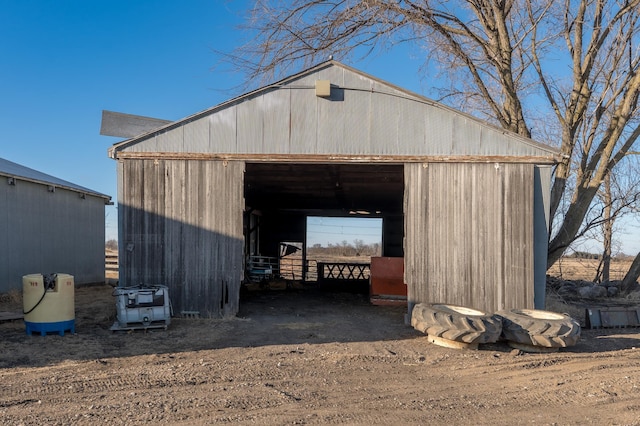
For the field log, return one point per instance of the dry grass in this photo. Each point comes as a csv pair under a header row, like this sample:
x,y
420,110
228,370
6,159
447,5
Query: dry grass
x,y
11,300
585,269
554,303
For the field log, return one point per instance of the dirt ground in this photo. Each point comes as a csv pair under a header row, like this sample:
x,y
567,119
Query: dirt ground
x,y
304,357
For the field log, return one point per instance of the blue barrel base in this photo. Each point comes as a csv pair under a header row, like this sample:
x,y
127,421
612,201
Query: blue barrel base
x,y
51,327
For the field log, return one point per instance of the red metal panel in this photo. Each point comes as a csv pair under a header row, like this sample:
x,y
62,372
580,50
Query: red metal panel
x,y
387,278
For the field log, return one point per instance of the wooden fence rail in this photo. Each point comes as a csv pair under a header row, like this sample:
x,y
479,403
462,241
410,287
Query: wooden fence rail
x,y
111,262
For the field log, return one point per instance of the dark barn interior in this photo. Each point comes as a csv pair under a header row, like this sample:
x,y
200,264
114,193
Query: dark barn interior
x,y
280,196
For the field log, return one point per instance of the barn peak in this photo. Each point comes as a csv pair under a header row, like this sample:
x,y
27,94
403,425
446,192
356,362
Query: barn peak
x,y
334,112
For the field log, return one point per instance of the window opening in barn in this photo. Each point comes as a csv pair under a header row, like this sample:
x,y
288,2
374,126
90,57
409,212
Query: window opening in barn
x,y
339,249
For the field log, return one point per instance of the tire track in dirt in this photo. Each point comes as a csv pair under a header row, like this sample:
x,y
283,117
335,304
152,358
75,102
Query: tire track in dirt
x,y
349,364
539,381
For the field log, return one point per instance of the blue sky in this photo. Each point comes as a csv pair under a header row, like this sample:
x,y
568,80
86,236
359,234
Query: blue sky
x,y
335,230
63,62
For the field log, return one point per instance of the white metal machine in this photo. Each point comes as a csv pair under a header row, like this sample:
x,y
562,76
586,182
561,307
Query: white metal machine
x,y
142,307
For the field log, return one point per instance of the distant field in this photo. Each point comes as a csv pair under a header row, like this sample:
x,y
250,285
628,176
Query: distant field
x,y
585,269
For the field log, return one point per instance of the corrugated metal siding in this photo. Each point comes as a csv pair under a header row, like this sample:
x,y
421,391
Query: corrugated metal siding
x,y
469,235
335,75
166,141
45,232
411,127
222,131
357,81
383,123
277,122
438,133
364,116
198,130
355,108
330,125
304,135
182,227
250,118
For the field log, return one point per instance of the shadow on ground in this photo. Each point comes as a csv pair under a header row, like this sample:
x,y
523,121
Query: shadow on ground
x,y
295,317
268,317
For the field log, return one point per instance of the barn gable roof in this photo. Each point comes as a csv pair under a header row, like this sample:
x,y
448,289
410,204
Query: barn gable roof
x,y
17,171
362,119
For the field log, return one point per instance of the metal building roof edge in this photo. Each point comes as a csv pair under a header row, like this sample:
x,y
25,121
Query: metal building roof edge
x,y
131,141
10,169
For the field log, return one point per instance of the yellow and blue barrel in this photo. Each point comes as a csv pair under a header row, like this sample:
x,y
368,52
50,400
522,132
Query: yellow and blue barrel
x,y
48,303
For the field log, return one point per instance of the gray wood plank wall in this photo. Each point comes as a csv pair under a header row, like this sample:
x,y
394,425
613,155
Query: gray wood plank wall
x,y
182,227
469,235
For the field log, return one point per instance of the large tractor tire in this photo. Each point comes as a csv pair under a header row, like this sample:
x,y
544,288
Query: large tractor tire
x,y
539,328
456,323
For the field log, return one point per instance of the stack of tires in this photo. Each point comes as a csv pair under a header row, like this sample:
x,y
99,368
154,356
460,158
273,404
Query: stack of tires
x,y
525,329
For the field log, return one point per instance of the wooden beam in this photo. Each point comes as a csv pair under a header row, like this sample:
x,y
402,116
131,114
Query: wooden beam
x,y
331,158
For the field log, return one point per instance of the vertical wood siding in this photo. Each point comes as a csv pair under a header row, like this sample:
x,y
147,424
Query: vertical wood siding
x,y
182,227
469,235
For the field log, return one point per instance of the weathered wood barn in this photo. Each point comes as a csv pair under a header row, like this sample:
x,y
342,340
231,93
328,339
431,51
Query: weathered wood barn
x,y
464,202
48,225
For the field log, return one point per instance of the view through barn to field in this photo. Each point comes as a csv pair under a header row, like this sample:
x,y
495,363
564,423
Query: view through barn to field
x,y
344,240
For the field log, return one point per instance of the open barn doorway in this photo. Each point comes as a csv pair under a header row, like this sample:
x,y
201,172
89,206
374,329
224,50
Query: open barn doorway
x,y
359,206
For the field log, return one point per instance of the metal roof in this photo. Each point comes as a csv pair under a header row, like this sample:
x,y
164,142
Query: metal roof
x,y
285,120
17,171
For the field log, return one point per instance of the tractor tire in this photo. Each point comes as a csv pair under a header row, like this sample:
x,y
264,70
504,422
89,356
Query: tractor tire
x,y
539,328
456,323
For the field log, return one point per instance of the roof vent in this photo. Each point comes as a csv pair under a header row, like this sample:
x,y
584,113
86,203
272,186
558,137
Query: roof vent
x,y
323,88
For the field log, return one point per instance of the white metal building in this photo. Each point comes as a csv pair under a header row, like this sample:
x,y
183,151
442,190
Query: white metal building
x,y
49,225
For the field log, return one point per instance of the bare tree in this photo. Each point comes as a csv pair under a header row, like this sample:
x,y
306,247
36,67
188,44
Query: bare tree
x,y
111,244
518,63
604,268
617,198
632,275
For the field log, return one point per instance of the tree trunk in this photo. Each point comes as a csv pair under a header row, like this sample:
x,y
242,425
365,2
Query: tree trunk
x,y
607,229
632,275
571,224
